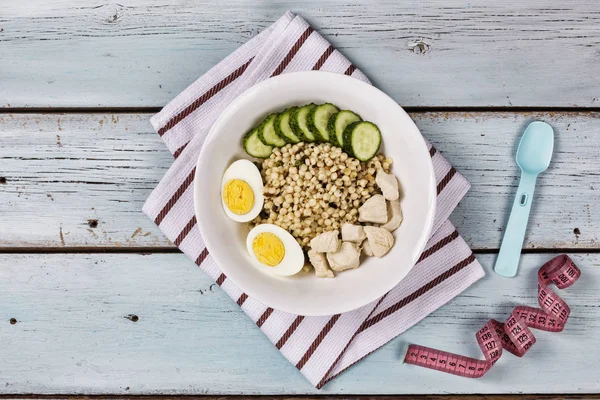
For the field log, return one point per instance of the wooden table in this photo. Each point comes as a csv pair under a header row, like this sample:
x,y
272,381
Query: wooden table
x,y
95,300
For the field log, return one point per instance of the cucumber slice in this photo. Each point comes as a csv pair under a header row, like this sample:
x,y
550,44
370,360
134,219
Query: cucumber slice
x,y
337,123
318,119
283,128
362,140
267,134
254,146
299,122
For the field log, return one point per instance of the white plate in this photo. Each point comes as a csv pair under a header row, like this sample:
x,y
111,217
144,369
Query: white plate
x,y
305,294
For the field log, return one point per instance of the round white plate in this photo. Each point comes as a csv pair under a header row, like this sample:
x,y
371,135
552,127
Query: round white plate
x,y
305,294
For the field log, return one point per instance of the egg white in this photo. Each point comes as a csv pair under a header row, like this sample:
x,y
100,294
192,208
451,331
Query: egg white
x,y
248,172
292,261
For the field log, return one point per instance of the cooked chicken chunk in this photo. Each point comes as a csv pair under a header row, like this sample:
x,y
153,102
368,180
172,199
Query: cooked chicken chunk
x,y
366,248
347,257
353,233
326,242
319,262
388,185
373,210
380,240
394,216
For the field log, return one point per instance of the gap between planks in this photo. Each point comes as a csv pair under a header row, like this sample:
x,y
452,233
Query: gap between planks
x,y
336,397
408,109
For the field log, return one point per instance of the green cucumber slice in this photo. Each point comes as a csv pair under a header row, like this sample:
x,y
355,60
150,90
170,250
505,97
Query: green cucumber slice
x,y
299,122
267,134
362,140
283,128
318,119
254,146
337,123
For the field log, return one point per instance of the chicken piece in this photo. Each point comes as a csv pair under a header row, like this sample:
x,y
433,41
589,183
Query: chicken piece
x,y
353,233
394,216
373,210
319,263
347,257
388,184
380,240
366,248
326,242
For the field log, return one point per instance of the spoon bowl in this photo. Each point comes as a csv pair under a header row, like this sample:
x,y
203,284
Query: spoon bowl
x,y
536,147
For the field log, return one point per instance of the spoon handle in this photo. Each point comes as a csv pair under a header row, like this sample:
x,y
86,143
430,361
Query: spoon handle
x,y
510,250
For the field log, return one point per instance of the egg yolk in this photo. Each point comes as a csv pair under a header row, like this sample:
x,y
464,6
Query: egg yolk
x,y
238,196
268,248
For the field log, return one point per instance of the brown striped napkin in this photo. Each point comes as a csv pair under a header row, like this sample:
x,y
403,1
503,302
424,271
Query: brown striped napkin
x,y
320,347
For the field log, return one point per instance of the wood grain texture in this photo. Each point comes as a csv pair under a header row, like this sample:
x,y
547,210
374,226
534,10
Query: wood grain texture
x,y
60,53
74,333
79,180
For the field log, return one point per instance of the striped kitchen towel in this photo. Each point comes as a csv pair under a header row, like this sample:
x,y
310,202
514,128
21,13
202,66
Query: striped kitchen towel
x,y
320,347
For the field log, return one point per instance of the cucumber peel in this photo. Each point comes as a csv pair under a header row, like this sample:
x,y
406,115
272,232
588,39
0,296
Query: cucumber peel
x,y
338,123
362,140
267,133
283,128
318,118
254,147
299,122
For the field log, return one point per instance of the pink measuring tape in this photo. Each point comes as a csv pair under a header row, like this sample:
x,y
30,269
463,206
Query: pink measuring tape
x,y
514,335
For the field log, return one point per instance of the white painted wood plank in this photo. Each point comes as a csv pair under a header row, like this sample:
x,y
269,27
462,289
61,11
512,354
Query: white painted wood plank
x,y
483,147
63,171
72,334
60,53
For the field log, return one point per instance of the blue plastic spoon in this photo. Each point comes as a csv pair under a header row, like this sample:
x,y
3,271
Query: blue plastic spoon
x,y
533,157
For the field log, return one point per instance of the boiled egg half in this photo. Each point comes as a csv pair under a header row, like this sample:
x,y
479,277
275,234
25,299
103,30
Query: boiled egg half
x,y
275,250
242,191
